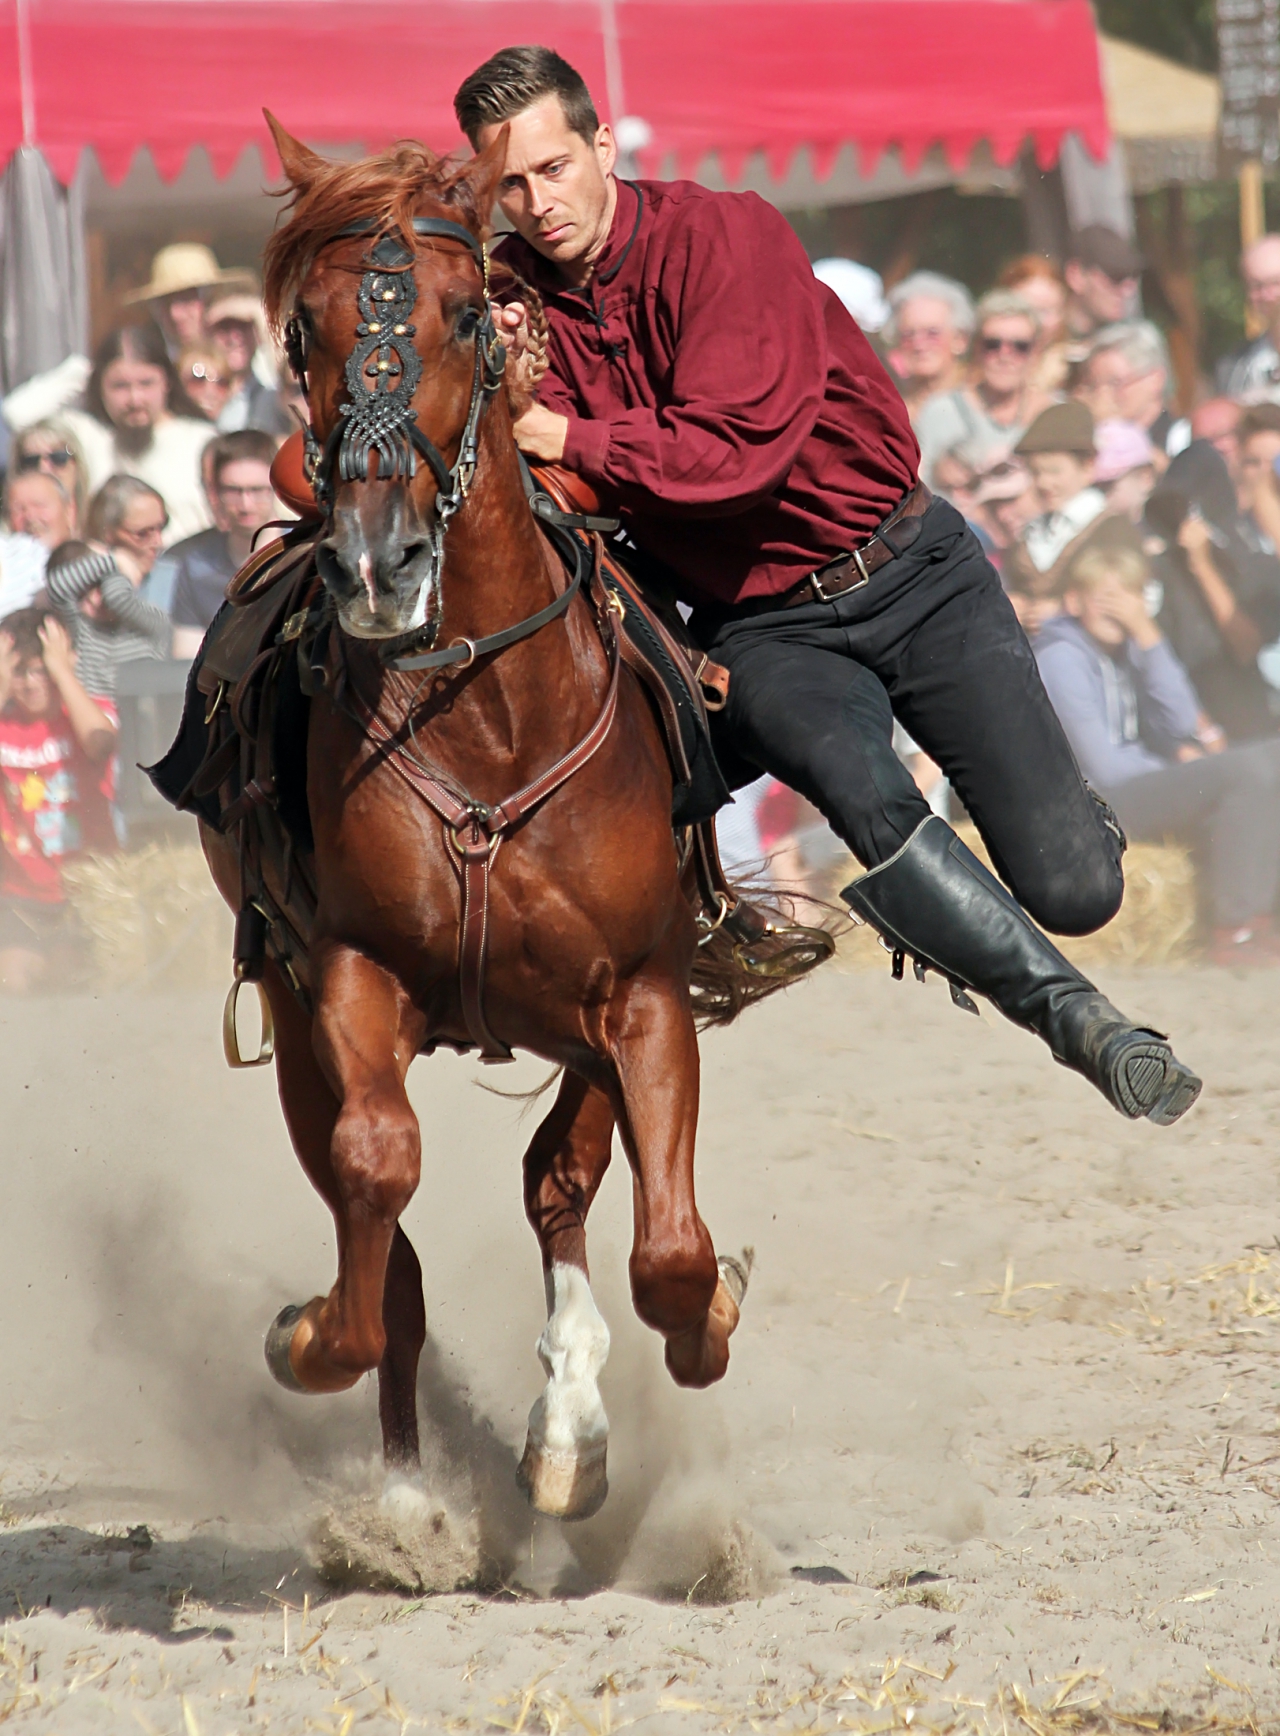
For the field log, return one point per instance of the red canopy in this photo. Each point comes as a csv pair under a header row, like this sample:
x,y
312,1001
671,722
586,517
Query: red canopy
x,y
729,76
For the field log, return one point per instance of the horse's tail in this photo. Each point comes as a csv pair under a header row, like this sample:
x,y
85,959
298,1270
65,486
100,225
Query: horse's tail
x,y
756,948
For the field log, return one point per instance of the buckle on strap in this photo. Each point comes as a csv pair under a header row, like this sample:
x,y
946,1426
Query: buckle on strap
x,y
864,578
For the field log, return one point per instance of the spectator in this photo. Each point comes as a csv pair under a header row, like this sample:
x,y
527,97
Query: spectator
x,y
1059,452
1038,281
94,586
205,377
859,288
1125,469
930,323
994,411
55,750
1221,600
181,276
1101,274
243,501
1126,376
1004,504
23,556
132,423
37,505
1251,374
1217,420
1130,714
53,448
1257,449
238,329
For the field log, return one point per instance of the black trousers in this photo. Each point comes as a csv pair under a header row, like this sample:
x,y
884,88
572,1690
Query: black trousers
x,y
1230,804
932,640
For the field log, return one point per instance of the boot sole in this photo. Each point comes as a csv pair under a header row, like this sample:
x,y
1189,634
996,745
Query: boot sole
x,y
1150,1081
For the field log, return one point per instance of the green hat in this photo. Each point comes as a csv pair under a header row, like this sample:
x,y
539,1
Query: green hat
x,y
1061,428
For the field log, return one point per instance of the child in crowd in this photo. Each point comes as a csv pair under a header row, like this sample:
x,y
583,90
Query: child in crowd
x,y
1133,719
56,746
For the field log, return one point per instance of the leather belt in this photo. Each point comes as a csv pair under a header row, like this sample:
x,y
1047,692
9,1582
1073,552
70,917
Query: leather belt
x,y
852,571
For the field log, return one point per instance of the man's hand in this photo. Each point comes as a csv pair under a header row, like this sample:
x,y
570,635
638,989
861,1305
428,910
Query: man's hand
x,y
512,326
541,433
1128,609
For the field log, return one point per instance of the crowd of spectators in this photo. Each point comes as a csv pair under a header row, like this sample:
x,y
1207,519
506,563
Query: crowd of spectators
x,y
137,481
1138,541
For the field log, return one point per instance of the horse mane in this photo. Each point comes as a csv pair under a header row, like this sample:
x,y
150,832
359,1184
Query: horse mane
x,y
387,190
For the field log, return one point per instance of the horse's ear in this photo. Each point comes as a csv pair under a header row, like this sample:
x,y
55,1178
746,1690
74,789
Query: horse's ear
x,y
300,165
474,187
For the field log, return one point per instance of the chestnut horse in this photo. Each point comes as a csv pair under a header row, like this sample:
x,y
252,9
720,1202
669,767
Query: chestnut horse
x,y
590,939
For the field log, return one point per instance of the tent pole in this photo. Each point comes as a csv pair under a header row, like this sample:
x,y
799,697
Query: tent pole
x,y
1253,224
26,81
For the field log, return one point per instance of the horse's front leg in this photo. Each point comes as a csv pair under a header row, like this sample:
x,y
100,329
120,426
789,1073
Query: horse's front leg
x,y
563,1469
678,1286
363,1038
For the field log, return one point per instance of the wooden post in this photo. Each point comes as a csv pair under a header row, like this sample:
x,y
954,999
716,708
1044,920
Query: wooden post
x,y
1253,224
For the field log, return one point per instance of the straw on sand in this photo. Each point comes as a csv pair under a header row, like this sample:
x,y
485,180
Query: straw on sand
x,y
153,917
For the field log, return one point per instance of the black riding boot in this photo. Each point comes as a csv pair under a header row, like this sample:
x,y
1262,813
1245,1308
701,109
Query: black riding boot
x,y
935,901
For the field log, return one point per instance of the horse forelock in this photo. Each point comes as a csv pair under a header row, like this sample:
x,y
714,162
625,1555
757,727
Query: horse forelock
x,y
386,191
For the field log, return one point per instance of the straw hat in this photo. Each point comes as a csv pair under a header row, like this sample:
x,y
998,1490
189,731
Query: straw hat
x,y
185,266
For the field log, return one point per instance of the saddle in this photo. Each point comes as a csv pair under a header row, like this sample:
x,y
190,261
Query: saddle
x,y
239,761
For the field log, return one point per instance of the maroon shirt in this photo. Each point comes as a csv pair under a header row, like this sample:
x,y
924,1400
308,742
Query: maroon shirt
x,y
720,393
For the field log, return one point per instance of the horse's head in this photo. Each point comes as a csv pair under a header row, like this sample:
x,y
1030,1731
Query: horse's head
x,y
377,280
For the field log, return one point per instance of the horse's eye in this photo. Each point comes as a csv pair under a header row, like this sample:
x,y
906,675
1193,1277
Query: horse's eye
x,y
468,322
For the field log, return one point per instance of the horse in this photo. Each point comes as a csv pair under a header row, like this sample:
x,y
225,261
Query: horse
x,y
502,797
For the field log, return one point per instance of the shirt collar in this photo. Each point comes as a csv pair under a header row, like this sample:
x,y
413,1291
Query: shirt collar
x,y
1048,535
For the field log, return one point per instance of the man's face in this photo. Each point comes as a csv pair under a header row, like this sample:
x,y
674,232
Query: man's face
x,y
1261,268
557,191
1258,456
928,342
183,314
31,689
1105,299
237,341
1217,422
38,508
134,394
1112,387
244,497
1059,477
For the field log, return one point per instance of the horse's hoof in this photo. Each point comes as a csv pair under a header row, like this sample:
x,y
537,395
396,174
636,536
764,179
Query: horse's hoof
x,y
735,1274
275,1346
564,1485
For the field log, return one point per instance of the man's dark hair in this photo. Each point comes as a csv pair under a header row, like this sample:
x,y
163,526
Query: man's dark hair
x,y
23,627
1258,419
246,444
136,343
512,80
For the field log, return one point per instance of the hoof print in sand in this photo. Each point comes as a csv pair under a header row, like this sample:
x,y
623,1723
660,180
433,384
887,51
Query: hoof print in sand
x,y
364,1547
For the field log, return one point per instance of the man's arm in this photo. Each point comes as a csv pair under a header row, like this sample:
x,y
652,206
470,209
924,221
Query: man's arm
x,y
746,383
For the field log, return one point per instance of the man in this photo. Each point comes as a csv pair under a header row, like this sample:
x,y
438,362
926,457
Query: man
x,y
1060,453
40,514
1126,378
931,320
1217,420
1132,717
762,458
1101,274
235,323
243,500
1252,372
175,296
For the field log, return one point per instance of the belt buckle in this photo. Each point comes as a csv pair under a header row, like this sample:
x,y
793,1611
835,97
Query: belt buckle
x,y
855,555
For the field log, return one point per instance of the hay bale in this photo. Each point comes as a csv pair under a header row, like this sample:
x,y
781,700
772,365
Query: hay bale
x,y
153,917
1155,926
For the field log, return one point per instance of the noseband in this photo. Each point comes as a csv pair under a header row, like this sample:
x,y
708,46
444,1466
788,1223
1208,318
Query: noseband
x,y
382,374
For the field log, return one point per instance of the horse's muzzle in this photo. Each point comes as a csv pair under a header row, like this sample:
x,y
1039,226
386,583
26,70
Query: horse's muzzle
x,y
383,591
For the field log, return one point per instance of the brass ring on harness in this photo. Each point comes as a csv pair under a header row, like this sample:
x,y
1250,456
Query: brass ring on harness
x,y
710,927
471,649
231,1037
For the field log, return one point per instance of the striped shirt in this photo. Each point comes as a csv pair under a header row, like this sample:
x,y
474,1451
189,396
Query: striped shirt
x,y
132,627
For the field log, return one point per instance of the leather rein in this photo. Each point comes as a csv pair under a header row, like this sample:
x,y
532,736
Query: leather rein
x,y
381,419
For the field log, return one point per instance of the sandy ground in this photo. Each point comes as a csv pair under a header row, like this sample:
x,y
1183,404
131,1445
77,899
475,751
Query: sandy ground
x,y
998,1444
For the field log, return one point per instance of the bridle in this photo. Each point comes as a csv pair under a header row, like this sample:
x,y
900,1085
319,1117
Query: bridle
x,y
380,417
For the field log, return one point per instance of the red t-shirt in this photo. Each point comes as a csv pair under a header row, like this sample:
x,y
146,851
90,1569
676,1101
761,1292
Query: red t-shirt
x,y
720,393
53,802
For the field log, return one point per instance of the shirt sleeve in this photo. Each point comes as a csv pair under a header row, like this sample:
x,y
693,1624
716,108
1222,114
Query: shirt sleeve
x,y
1107,764
748,373
1169,705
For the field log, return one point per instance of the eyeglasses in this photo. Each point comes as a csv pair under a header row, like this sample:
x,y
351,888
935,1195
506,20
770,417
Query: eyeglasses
x,y
33,460
1019,346
920,334
259,492
197,371
146,533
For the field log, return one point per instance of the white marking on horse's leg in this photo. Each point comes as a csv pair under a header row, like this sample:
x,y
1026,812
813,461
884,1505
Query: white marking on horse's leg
x,y
563,1469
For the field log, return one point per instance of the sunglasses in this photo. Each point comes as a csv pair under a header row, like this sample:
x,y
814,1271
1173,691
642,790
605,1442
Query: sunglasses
x,y
1019,346
198,371
33,460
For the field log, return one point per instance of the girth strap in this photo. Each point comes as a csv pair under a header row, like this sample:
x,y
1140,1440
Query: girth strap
x,y
473,832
